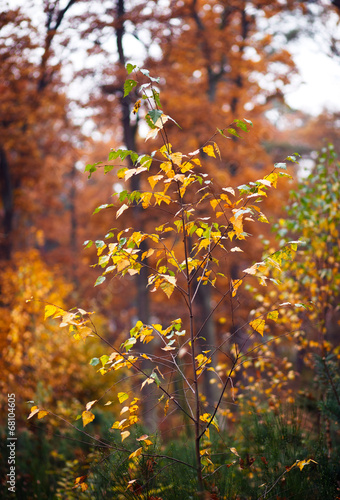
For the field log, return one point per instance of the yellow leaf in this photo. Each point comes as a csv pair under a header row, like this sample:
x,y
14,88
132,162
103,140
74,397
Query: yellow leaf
x,y
145,199
214,203
42,414
87,417
209,150
272,178
233,450
258,325
79,481
34,410
122,264
124,435
168,284
153,179
235,284
238,226
50,310
136,453
176,158
122,396
273,315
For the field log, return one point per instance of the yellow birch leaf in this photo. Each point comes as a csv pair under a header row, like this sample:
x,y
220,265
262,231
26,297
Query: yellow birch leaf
x,y
136,453
122,396
42,414
34,410
176,158
209,150
237,226
49,311
258,325
87,417
272,178
273,315
153,179
166,407
302,463
235,284
214,203
233,450
122,264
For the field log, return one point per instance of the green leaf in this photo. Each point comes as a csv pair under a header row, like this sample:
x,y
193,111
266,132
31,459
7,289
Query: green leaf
x,y
280,165
156,97
92,168
156,379
104,359
108,168
99,243
128,86
232,131
240,124
94,362
130,67
88,243
102,207
100,280
155,114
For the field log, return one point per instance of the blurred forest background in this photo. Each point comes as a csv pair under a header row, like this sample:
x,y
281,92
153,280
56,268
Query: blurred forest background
x,y
62,70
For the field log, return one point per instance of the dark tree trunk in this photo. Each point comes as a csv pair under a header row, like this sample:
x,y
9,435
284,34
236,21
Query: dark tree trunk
x,y
7,207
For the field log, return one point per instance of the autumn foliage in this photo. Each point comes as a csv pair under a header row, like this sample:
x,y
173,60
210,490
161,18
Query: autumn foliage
x,y
172,311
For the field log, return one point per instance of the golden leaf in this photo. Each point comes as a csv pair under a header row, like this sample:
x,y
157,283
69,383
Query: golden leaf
x,y
136,453
122,396
87,417
42,414
34,410
209,150
258,325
